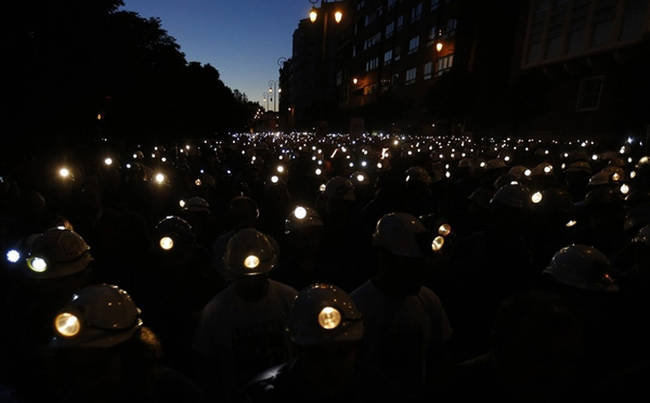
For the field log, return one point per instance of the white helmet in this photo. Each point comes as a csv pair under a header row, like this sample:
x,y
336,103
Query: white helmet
x,y
323,314
96,316
402,234
582,267
56,253
250,252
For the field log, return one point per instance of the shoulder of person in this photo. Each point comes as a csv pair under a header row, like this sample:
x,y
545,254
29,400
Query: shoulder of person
x,y
282,289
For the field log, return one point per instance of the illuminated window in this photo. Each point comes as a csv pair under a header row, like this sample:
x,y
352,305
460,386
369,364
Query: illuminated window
x,y
414,44
428,68
388,56
372,64
390,28
400,22
410,76
391,4
444,64
435,4
416,12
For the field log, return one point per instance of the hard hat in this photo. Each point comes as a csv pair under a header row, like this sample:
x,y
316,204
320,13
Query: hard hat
x,y
515,196
481,196
436,224
56,253
402,234
606,176
583,267
172,232
339,188
197,205
323,314
505,179
643,236
556,200
542,169
495,163
250,252
418,174
97,316
465,163
300,218
518,171
579,166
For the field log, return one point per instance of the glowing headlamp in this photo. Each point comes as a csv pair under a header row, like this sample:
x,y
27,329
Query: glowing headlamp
x,y
438,243
329,318
571,223
159,178
13,256
536,197
280,169
251,262
37,264
625,189
64,173
67,324
166,243
108,161
300,212
360,178
444,230
274,179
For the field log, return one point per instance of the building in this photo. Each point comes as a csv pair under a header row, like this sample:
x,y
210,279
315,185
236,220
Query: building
x,y
583,66
312,71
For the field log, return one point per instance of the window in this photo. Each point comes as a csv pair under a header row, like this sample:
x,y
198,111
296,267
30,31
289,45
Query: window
x,y
410,76
444,64
435,4
603,22
400,22
416,12
395,79
372,41
339,78
428,68
396,53
391,4
589,93
451,27
390,28
370,89
536,30
633,19
372,64
361,4
555,26
380,11
388,56
354,51
414,44
433,32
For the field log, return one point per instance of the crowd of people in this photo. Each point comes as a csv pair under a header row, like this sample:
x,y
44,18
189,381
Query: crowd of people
x,y
274,267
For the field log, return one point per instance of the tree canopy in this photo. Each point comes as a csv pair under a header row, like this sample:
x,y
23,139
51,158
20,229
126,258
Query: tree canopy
x,y
83,66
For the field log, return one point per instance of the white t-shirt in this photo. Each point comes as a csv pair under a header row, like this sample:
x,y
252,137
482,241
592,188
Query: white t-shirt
x,y
245,337
401,332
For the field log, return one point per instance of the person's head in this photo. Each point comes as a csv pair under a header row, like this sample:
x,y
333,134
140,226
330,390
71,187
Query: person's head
x,y
172,237
250,255
406,252
304,229
243,212
582,267
325,329
57,261
509,209
339,200
99,341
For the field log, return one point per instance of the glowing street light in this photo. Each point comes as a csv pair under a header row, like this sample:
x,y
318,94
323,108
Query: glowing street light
x,y
439,46
313,15
338,16
355,81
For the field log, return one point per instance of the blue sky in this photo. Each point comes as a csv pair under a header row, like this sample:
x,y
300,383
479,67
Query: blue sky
x,y
243,39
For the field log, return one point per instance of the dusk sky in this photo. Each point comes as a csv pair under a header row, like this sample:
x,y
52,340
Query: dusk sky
x,y
243,39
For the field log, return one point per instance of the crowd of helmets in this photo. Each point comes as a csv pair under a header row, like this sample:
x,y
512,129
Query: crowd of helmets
x,y
288,267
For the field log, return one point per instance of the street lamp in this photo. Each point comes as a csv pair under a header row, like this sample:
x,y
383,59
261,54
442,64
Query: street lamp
x,y
439,46
355,81
313,15
338,16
